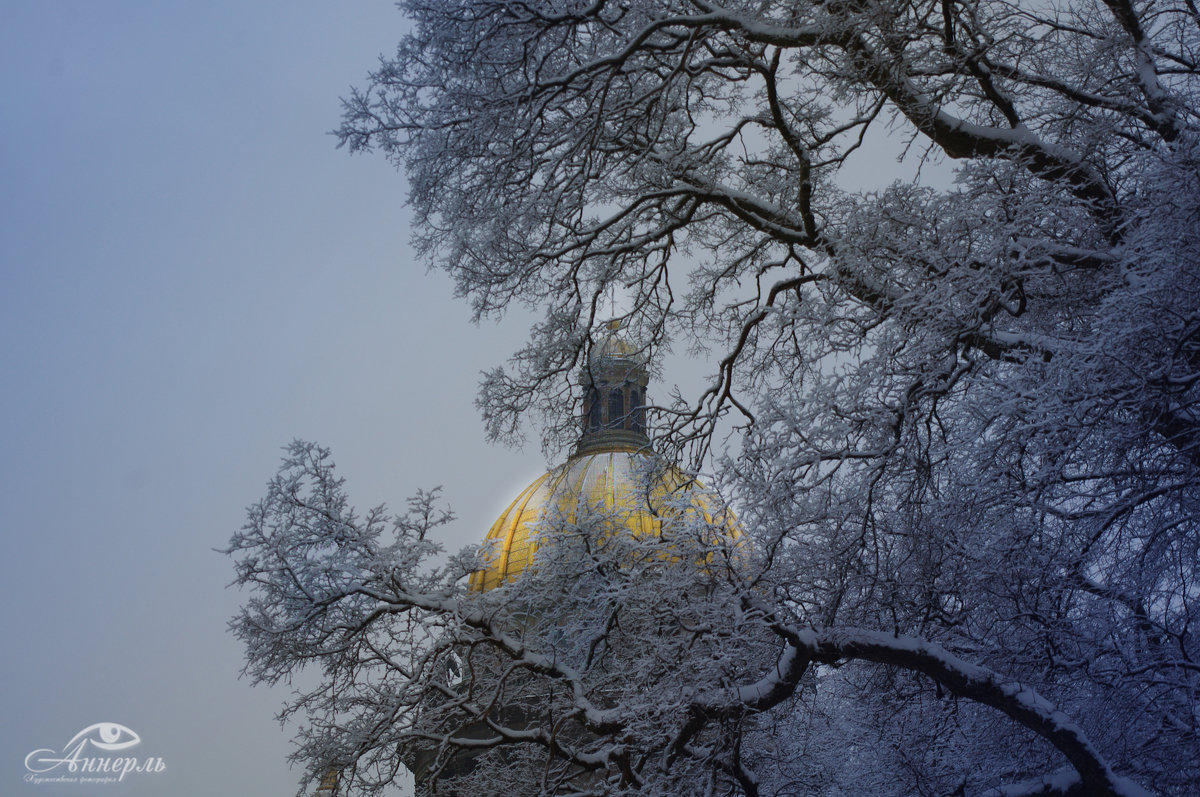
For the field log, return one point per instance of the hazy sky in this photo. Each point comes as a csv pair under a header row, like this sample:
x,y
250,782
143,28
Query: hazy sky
x,y
192,276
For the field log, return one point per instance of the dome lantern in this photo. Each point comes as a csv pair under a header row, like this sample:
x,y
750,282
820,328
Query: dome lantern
x,y
614,396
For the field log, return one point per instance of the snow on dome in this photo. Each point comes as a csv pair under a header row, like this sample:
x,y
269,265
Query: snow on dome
x,y
632,489
614,345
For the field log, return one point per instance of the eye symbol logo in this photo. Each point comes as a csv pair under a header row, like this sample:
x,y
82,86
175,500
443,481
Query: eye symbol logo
x,y
78,756
106,736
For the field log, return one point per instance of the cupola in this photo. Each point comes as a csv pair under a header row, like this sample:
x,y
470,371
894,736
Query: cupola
x,y
612,473
614,384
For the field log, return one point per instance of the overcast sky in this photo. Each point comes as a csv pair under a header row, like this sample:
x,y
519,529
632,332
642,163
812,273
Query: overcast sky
x,y
193,275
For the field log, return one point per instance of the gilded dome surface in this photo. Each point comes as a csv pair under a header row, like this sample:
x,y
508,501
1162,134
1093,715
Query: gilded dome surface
x,y
612,476
630,487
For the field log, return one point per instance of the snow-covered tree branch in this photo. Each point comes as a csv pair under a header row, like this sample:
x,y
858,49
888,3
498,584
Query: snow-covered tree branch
x,y
963,419
681,661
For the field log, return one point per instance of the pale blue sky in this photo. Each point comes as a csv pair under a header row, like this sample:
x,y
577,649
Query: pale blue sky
x,y
190,276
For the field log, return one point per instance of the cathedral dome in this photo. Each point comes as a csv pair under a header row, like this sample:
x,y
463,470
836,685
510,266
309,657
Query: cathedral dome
x,y
612,474
631,489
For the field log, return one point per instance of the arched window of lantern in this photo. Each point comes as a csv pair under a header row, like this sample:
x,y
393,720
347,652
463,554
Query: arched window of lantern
x,y
616,408
593,409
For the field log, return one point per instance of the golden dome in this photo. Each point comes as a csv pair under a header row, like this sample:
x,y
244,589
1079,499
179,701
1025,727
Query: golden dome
x,y
610,482
612,475
614,345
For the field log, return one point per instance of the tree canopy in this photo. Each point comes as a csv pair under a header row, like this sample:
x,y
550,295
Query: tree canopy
x,y
966,443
